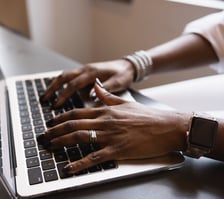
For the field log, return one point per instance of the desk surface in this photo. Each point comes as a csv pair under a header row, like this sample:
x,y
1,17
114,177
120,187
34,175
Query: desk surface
x,y
196,179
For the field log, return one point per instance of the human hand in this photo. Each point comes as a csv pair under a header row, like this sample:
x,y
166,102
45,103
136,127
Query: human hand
x,y
125,130
116,75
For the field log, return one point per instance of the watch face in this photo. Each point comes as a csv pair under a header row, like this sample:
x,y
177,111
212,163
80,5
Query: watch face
x,y
203,132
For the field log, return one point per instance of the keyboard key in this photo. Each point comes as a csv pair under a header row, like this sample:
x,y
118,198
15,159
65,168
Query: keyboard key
x,y
50,175
47,81
25,120
48,164
77,101
30,152
27,135
26,127
28,82
24,113
32,162
48,116
36,115
94,168
109,165
45,155
34,108
21,101
38,122
60,156
39,129
23,107
19,84
46,109
74,154
86,149
34,103
40,147
58,111
29,143
35,176
68,105
60,167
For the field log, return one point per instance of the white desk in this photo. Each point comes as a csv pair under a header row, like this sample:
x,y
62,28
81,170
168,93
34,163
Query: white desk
x,y
201,94
198,179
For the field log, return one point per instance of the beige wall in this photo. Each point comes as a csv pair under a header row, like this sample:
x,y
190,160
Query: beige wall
x,y
93,30
122,28
13,15
62,25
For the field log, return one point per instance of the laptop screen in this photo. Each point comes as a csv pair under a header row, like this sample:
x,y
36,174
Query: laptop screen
x,y
6,159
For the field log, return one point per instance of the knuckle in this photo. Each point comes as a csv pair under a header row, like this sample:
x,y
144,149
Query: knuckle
x,y
80,164
117,83
77,137
71,114
69,125
95,157
71,86
62,75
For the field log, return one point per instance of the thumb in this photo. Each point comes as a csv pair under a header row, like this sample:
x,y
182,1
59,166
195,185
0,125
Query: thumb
x,y
106,97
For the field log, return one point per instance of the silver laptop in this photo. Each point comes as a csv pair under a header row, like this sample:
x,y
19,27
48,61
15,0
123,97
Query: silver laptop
x,y
28,170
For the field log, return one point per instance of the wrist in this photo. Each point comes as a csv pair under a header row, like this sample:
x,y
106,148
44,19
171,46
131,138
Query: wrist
x,y
142,64
183,122
128,67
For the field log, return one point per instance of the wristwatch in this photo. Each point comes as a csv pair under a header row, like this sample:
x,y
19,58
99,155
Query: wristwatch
x,y
201,137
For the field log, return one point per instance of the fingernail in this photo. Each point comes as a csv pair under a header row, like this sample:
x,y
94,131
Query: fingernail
x,y
99,83
93,95
42,98
42,140
50,123
67,169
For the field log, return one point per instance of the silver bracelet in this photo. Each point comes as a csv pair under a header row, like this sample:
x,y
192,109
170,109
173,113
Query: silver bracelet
x,y
142,63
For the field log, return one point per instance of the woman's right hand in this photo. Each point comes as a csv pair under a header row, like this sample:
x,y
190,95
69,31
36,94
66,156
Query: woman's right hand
x,y
115,75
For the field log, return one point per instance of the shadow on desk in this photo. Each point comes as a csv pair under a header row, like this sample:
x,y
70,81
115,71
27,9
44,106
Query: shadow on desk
x,y
196,179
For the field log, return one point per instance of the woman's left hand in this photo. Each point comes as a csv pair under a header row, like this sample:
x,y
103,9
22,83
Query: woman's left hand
x,y
124,130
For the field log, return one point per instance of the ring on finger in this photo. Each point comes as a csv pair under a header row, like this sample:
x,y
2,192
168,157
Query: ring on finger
x,y
92,136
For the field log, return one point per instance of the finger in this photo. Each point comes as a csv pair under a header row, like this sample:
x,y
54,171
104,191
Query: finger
x,y
59,81
116,84
85,113
77,137
74,125
74,85
105,96
88,161
112,86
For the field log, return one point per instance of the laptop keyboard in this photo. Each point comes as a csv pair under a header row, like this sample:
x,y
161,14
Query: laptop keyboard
x,y
42,165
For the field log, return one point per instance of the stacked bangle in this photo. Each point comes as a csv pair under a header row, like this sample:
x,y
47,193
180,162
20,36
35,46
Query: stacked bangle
x,y
142,63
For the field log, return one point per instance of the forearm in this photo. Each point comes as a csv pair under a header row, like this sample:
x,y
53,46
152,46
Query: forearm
x,y
186,51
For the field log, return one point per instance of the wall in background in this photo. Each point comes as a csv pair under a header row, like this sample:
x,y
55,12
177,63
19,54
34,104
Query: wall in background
x,y
13,15
121,28
94,30
64,26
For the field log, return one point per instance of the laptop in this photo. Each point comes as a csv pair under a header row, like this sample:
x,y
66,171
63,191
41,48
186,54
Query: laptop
x,y
27,170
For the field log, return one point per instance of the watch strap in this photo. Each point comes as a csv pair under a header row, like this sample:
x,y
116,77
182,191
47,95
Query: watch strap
x,y
201,137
